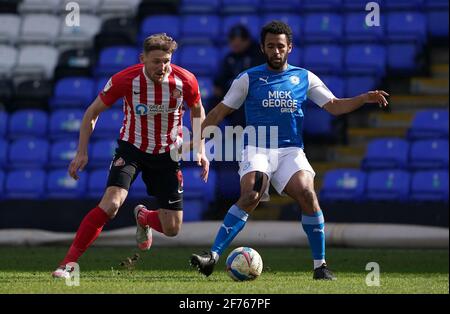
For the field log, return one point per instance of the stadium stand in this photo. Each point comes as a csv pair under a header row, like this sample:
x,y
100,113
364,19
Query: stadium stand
x,y
384,185
62,152
428,154
50,72
344,184
60,185
429,124
9,33
8,57
75,92
25,184
430,185
387,153
31,153
28,123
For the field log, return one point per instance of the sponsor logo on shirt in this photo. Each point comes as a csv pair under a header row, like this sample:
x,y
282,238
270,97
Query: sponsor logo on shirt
x,y
282,100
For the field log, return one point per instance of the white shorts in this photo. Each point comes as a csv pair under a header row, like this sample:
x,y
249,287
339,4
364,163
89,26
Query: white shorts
x,y
279,164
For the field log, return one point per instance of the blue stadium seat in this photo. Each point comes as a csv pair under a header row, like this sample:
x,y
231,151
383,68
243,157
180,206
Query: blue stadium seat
x,y
318,122
65,123
431,123
199,6
199,59
402,56
29,184
386,153
356,29
323,58
62,152
109,124
28,152
200,28
251,21
428,154
293,20
430,186
239,6
359,5
169,24
3,152
324,27
61,185
75,92
365,59
102,153
343,184
3,123
97,180
438,23
404,4
406,25
28,123
280,6
115,59
335,84
356,85
388,185
320,5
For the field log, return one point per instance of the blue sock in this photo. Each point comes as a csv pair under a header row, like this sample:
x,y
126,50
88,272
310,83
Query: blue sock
x,y
314,227
233,223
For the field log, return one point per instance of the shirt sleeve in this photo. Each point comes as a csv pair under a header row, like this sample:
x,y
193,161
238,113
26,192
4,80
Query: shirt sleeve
x,y
318,92
113,90
191,91
237,93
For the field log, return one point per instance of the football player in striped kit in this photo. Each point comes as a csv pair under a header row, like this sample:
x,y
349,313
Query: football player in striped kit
x,y
153,92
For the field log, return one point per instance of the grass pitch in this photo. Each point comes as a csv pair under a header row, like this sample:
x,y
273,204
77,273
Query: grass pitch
x,y
166,270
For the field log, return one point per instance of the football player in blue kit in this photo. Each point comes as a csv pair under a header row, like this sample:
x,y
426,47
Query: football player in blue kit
x,y
274,94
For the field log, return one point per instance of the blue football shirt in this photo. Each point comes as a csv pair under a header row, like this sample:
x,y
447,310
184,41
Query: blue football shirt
x,y
276,99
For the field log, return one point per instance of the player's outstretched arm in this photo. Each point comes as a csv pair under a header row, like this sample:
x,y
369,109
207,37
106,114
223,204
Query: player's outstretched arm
x,y
87,127
338,106
216,115
197,118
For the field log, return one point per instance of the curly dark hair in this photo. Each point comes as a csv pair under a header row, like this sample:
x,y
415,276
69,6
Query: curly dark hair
x,y
276,27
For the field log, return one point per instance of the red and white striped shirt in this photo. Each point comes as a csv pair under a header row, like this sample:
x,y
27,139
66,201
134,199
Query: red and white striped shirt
x,y
153,111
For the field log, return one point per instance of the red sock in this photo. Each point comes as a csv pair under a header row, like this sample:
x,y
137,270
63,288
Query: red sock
x,y
150,218
89,229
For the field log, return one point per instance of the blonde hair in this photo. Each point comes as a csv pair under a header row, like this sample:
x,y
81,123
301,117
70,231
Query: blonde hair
x,y
160,42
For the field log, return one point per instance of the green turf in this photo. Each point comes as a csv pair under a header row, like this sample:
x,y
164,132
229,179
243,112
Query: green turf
x,y
166,270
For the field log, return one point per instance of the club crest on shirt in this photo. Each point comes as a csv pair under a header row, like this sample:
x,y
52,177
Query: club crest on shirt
x,y
107,87
176,93
119,162
294,79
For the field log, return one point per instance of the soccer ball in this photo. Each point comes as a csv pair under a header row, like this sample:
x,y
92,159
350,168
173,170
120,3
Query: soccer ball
x,y
244,263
